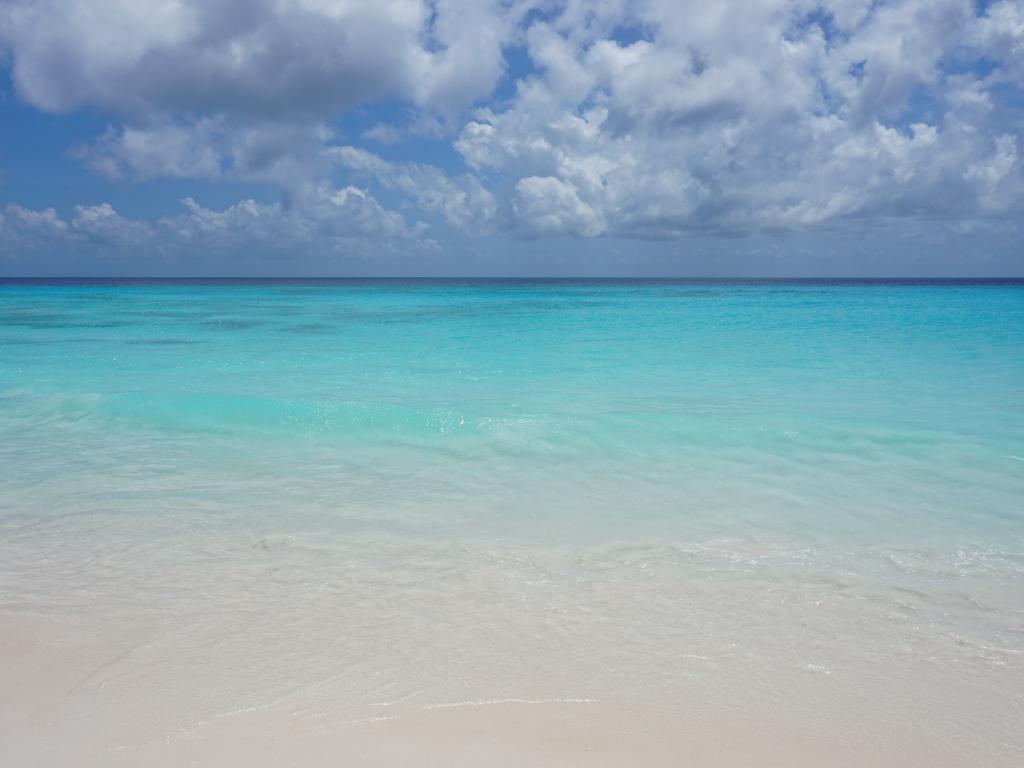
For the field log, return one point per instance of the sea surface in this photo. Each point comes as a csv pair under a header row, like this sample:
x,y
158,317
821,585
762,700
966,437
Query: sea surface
x,y
354,498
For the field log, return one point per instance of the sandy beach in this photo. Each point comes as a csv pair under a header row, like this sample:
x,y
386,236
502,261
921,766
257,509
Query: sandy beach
x,y
81,699
63,717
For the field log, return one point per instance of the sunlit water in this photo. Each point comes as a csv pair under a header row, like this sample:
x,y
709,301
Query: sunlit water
x,y
343,499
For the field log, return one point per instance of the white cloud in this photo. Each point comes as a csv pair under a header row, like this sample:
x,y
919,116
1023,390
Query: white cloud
x,y
166,150
20,225
553,206
260,59
463,201
636,118
743,116
323,217
327,221
994,175
101,223
1000,35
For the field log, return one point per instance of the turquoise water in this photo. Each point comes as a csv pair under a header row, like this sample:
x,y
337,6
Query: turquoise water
x,y
482,459
749,410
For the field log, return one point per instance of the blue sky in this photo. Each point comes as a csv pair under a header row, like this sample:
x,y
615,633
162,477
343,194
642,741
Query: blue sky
x,y
511,137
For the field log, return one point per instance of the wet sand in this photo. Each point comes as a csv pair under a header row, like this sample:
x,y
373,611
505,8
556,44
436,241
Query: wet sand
x,y
56,711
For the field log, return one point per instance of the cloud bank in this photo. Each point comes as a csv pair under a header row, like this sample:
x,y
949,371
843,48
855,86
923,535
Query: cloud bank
x,y
635,119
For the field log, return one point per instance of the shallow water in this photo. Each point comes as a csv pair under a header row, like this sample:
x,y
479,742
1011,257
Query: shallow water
x,y
348,498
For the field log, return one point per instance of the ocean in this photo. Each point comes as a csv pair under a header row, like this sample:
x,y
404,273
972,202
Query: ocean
x,y
355,499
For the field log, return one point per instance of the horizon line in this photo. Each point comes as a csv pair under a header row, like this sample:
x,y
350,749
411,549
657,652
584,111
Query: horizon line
x,y
848,278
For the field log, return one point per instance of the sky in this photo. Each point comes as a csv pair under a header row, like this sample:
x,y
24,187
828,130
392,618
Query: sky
x,y
512,137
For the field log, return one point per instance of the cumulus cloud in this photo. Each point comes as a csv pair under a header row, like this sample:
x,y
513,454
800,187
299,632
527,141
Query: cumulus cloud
x,y
257,58
21,226
463,200
102,224
284,153
330,221
999,33
623,118
167,150
553,206
735,117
